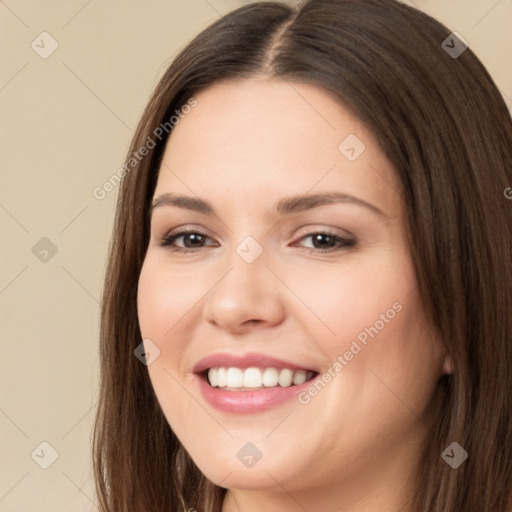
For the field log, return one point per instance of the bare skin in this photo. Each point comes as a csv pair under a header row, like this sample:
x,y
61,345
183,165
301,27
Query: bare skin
x,y
353,446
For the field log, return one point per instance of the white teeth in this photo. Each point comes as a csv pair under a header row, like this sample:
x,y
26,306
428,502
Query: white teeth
x,y
254,378
270,377
299,377
234,378
285,378
221,377
213,377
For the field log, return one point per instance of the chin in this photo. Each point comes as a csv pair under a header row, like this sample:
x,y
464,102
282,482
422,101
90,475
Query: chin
x,y
230,472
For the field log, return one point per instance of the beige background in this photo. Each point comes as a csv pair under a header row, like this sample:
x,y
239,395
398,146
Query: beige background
x,y
66,124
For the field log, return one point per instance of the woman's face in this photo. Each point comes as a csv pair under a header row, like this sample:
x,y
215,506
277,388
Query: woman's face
x,y
296,266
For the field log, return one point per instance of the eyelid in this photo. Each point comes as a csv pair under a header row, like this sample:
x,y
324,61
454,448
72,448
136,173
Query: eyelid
x,y
342,242
307,230
183,229
175,233
347,241
323,228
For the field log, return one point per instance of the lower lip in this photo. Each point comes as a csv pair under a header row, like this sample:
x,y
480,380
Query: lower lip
x,y
249,401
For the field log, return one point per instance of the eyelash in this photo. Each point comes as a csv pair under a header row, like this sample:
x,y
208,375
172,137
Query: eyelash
x,y
171,237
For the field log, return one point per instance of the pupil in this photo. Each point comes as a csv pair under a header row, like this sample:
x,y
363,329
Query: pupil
x,y
194,238
323,240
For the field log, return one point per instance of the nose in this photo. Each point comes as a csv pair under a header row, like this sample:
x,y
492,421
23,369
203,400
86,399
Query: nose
x,y
247,298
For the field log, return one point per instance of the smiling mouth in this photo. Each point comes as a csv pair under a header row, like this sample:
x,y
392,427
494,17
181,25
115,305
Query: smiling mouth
x,y
254,378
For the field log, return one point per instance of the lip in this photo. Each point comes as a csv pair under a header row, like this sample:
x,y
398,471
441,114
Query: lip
x,y
248,360
243,402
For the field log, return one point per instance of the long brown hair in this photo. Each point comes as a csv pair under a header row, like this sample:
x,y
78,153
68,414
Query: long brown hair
x,y
444,126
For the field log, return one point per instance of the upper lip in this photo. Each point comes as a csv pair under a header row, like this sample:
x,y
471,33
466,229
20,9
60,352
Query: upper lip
x,y
247,360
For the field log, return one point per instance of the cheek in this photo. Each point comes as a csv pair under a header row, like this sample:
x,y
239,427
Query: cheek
x,y
368,311
390,364
165,303
165,298
341,302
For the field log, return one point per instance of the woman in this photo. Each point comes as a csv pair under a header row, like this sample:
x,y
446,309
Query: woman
x,y
308,295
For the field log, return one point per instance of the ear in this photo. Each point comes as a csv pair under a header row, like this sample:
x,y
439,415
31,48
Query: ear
x,y
447,365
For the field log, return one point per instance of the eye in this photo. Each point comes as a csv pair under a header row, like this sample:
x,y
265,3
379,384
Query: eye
x,y
191,240
325,241
185,241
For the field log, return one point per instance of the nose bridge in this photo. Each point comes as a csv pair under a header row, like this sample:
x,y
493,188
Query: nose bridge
x,y
247,293
248,274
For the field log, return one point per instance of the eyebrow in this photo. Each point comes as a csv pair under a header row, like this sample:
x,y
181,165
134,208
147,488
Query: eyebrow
x,y
285,206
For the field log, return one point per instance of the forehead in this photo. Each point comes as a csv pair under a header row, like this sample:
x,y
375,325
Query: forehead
x,y
261,138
